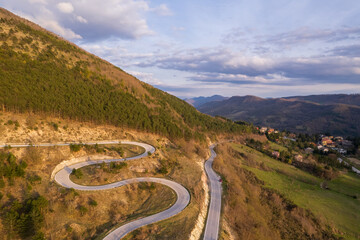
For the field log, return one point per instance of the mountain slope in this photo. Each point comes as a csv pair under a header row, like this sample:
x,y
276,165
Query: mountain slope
x,y
41,72
352,99
289,114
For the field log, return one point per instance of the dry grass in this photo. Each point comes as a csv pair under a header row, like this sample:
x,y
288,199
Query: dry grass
x,y
96,175
64,220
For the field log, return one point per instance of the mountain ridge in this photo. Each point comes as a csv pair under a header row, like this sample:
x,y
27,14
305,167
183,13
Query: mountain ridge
x,y
310,115
350,99
198,101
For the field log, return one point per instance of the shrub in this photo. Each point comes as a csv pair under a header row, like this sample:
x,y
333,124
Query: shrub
x,y
83,210
75,147
120,165
77,173
55,126
162,170
92,203
34,179
9,168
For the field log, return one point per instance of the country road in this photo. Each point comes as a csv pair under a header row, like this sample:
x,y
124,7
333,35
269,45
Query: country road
x,y
213,219
62,177
183,197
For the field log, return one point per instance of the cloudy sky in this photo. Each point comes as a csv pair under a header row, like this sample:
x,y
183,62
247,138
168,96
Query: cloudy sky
x,y
268,48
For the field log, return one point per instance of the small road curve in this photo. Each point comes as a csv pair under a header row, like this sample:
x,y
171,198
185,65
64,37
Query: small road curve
x,y
62,177
213,218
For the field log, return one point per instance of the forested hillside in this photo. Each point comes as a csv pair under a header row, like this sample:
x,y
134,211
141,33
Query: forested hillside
x,y
40,72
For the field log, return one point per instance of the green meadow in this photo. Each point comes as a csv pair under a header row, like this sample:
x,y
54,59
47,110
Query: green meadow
x,y
338,206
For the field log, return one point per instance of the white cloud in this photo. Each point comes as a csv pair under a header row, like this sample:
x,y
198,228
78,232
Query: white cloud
x,y
125,19
115,53
81,19
215,65
299,39
65,7
57,28
163,10
46,22
146,77
112,18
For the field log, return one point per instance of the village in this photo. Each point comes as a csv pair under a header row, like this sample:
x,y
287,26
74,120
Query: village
x,y
319,144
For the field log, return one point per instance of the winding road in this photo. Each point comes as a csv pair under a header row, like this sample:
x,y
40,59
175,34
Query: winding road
x,y
213,218
183,197
62,177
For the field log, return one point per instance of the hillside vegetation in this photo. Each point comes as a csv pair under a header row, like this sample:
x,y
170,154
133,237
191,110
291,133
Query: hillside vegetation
x,y
284,202
32,206
313,114
42,73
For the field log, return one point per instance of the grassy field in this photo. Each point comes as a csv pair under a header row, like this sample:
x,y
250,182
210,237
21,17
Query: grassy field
x,y
338,206
276,147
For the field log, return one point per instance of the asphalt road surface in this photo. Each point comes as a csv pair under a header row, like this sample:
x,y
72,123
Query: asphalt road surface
x,y
213,218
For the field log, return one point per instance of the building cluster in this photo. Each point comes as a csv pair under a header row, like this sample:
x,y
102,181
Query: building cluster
x,y
268,130
325,144
338,144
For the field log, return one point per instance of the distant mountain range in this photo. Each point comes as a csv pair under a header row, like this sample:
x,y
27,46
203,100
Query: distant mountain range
x,y
198,101
337,114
